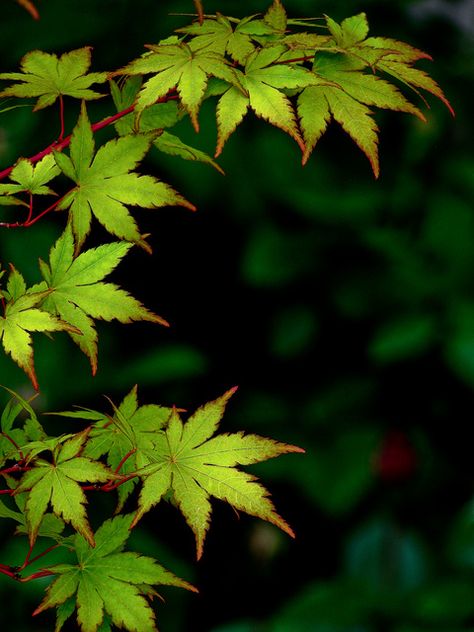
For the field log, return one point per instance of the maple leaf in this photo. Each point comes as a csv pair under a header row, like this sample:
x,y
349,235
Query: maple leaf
x,y
57,483
32,178
22,316
105,183
346,92
108,580
217,35
264,81
76,293
46,76
127,436
345,98
194,467
413,77
178,66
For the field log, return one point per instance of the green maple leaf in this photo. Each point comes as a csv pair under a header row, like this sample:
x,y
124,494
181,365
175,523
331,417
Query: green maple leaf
x,y
345,98
217,35
351,31
350,92
400,67
194,467
23,316
76,293
129,433
105,183
178,66
47,77
57,483
32,178
108,580
264,81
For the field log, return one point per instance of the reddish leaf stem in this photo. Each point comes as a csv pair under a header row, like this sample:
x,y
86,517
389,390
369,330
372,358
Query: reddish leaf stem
x,y
125,458
61,117
108,487
30,209
7,491
29,222
37,575
7,570
29,561
295,60
15,468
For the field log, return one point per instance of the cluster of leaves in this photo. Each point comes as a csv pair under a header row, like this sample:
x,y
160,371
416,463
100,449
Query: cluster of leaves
x,y
149,445
286,74
69,298
298,81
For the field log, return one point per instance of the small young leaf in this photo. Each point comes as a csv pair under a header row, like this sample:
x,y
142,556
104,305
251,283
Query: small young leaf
x,y
47,77
218,36
32,178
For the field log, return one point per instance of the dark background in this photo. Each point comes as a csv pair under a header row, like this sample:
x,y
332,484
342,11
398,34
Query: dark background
x,y
342,306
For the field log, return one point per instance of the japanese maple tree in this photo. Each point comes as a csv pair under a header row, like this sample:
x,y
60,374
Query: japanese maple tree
x,y
274,67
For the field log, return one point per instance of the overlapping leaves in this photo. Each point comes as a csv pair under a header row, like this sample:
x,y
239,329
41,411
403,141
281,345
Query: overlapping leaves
x,y
350,91
126,437
57,482
71,296
178,66
22,316
350,73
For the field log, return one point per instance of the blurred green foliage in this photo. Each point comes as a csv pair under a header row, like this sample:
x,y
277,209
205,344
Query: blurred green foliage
x,y
344,308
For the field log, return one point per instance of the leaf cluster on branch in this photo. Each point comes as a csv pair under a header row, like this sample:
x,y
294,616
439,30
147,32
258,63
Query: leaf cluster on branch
x,y
299,76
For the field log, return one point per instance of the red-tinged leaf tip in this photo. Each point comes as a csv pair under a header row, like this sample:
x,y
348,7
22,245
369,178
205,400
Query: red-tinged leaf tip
x,y
199,550
195,123
294,448
160,321
189,206
32,375
136,518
